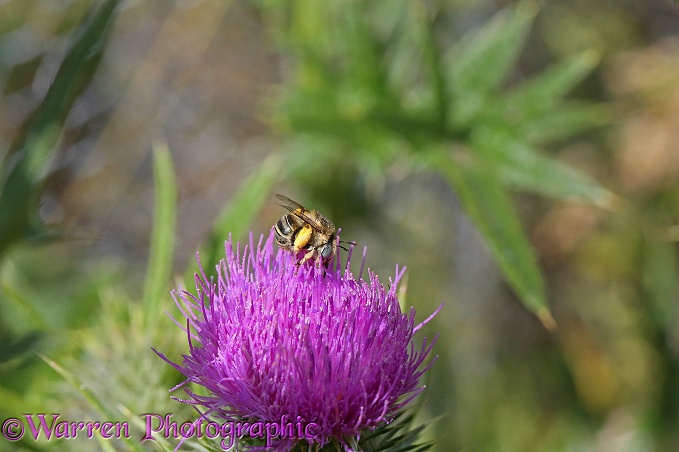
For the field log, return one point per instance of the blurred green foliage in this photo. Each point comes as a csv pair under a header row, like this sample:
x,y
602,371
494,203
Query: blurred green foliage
x,y
372,90
381,84
24,168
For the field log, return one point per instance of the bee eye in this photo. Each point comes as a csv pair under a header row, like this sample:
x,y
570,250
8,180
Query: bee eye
x,y
326,251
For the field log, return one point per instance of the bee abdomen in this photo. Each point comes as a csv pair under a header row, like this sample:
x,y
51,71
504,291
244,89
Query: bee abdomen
x,y
284,231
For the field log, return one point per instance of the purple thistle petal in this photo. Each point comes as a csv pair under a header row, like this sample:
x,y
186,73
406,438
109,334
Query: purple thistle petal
x,y
271,338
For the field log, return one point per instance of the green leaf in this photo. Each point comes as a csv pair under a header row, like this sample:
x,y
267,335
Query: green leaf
x,y
306,31
162,239
541,93
12,293
240,211
522,167
489,206
563,122
12,347
366,68
25,167
484,59
435,69
10,401
659,278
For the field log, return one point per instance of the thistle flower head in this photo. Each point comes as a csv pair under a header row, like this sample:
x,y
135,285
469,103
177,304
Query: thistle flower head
x,y
269,338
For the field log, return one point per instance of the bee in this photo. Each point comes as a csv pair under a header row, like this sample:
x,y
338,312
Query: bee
x,y
304,229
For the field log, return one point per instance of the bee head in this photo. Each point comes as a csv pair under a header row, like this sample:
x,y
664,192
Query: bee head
x,y
327,250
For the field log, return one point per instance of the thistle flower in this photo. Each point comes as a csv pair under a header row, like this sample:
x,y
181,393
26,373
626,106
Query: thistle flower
x,y
275,342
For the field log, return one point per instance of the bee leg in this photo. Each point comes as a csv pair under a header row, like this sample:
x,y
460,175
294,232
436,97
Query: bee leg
x,y
306,257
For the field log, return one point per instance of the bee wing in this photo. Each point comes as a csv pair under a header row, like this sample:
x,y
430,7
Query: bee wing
x,y
300,211
289,203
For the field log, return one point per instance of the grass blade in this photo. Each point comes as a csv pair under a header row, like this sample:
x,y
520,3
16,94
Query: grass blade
x,y
659,281
25,166
95,402
159,269
241,210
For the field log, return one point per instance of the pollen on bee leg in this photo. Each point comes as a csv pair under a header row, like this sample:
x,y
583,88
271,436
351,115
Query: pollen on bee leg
x,y
302,237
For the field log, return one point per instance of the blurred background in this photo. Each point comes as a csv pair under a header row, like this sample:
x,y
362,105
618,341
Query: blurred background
x,y
520,158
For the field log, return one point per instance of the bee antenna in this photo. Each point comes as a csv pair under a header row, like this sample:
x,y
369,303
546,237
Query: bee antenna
x,y
349,243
